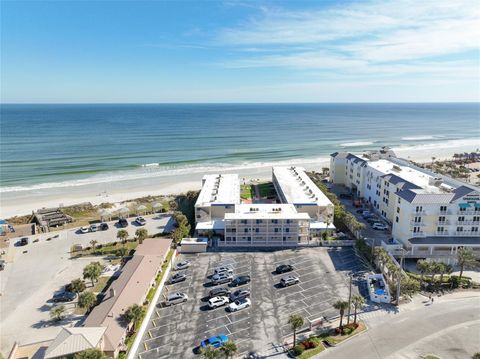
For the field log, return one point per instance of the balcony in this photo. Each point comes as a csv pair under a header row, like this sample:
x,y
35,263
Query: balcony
x,y
443,233
466,234
417,224
465,223
443,223
418,234
419,213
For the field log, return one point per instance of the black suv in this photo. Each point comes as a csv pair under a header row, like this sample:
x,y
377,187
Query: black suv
x,y
122,223
64,297
283,268
24,241
103,226
244,279
219,292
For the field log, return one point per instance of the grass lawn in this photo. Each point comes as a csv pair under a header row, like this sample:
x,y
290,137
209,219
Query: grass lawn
x,y
246,191
311,352
100,285
266,189
111,248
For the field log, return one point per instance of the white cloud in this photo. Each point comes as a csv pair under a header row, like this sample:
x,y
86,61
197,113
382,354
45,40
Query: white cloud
x,y
390,37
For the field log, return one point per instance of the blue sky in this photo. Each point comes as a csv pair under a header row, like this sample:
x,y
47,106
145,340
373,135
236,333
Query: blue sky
x,y
240,51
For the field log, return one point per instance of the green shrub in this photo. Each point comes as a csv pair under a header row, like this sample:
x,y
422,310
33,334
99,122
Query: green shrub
x,y
298,350
315,341
330,341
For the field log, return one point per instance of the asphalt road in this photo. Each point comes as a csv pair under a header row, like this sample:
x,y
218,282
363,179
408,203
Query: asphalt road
x,y
449,328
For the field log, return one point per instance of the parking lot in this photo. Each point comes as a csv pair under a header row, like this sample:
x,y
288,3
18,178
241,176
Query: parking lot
x,y
176,331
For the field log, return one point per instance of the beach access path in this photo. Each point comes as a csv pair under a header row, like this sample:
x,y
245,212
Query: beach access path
x,y
36,271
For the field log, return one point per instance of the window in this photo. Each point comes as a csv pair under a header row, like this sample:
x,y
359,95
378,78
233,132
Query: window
x,y
443,208
461,218
416,229
476,219
249,239
441,219
418,219
396,219
287,229
257,230
474,229
418,209
274,221
246,230
440,229
259,221
399,200
462,209
398,209
289,221
459,229
243,221
276,230
284,239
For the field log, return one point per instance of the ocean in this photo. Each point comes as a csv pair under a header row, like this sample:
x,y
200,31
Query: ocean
x,y
47,146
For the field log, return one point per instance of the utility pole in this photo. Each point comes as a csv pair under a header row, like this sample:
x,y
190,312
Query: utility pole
x,y
349,299
399,281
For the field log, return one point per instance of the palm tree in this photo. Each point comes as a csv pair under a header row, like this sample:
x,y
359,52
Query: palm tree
x,y
296,321
341,306
122,235
134,314
87,300
445,269
422,267
93,243
141,234
210,353
466,260
229,349
92,271
58,312
358,302
78,285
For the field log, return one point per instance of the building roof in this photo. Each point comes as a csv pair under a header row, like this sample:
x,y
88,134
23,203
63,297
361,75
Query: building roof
x,y
355,159
462,191
130,288
219,189
73,340
266,211
461,241
400,182
216,224
298,188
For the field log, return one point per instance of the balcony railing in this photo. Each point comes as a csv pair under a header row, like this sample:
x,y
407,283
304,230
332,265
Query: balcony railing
x,y
418,234
413,223
465,223
443,223
466,234
442,233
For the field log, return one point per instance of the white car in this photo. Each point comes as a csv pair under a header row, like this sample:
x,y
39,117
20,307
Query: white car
x,y
84,229
182,265
93,228
216,302
140,221
223,270
379,226
239,304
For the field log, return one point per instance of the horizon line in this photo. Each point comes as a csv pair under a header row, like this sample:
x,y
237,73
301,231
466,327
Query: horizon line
x,y
237,103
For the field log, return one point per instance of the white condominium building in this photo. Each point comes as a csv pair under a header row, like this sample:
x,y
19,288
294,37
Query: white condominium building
x,y
431,214
302,211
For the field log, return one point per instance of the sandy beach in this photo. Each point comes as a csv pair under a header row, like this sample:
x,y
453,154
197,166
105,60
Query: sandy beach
x,y
23,202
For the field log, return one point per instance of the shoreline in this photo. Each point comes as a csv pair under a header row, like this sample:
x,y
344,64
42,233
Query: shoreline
x,y
24,202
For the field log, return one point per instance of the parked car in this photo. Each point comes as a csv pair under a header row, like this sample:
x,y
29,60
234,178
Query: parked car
x,y
239,305
379,226
176,298
219,292
24,241
140,221
289,280
360,211
345,195
103,226
84,230
283,268
241,280
216,302
93,228
182,265
2,264
239,294
178,277
221,278
373,219
215,341
122,222
222,270
64,297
